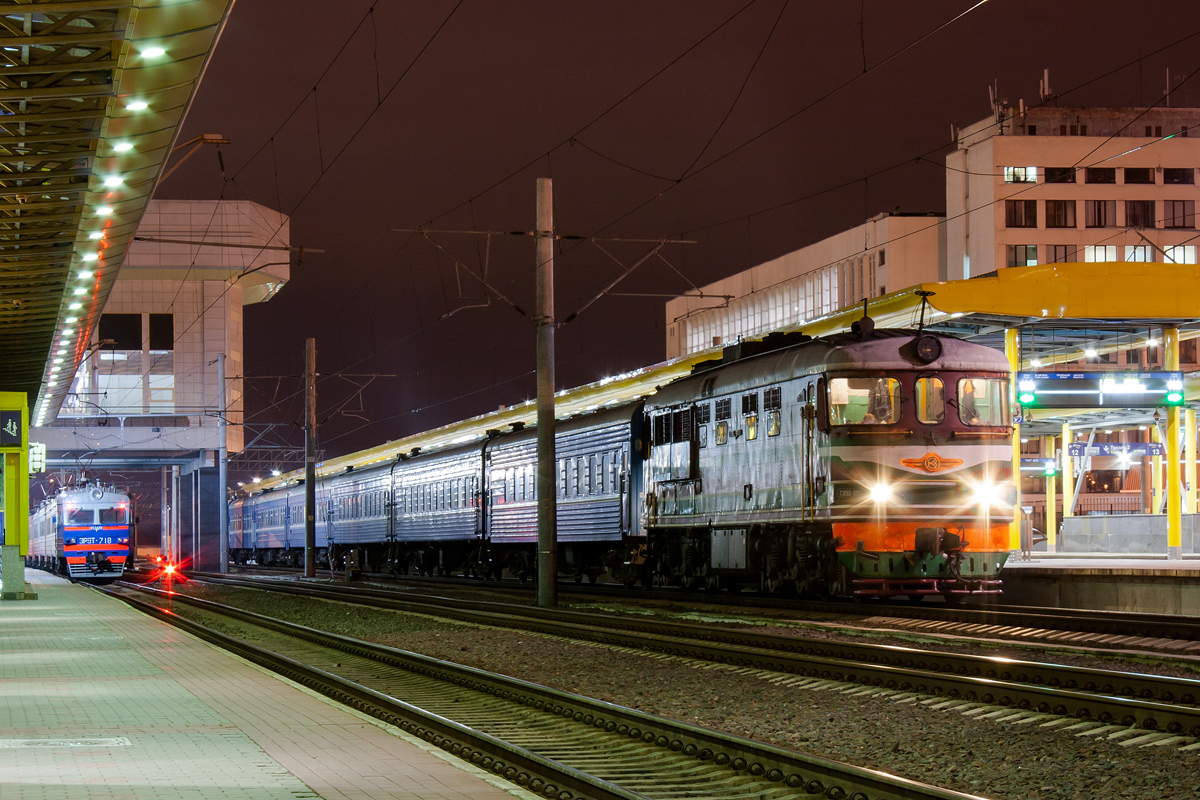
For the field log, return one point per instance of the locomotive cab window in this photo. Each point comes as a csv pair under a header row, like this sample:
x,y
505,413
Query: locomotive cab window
x,y
930,395
864,401
983,401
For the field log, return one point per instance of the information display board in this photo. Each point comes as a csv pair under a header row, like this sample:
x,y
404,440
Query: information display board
x,y
1128,449
1099,389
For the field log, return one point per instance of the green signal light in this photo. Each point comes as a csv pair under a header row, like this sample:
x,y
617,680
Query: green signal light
x,y
1174,397
1051,470
1027,398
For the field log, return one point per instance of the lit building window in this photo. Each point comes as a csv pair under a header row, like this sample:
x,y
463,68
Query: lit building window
x,y
1100,252
1022,255
1180,254
1020,174
1138,252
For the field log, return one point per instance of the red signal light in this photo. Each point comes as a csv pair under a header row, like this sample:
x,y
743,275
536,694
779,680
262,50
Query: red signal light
x,y
169,569
158,559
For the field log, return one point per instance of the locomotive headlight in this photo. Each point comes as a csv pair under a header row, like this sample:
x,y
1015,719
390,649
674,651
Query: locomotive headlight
x,y
881,493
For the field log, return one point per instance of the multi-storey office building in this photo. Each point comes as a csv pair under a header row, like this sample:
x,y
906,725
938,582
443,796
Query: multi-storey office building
x,y
1047,185
1073,184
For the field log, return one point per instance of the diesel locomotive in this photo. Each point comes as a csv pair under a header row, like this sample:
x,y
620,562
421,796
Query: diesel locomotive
x,y
867,463
82,532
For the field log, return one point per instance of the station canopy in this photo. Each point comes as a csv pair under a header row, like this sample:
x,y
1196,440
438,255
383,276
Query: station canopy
x,y
92,95
1064,312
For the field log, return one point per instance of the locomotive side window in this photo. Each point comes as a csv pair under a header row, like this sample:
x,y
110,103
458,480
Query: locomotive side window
x,y
930,395
772,406
864,401
723,413
750,414
983,401
702,419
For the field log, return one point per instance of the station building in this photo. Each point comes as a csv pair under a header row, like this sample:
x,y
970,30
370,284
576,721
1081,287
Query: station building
x,y
146,396
1024,187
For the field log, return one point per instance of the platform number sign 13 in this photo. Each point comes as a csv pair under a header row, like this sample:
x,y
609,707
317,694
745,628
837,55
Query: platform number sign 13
x,y
10,428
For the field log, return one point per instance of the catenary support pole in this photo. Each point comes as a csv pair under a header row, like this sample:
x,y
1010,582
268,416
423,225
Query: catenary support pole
x,y
223,465
547,560
310,459
1012,349
1174,478
1189,457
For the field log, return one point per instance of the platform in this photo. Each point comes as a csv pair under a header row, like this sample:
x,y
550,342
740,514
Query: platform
x,y
100,701
1145,584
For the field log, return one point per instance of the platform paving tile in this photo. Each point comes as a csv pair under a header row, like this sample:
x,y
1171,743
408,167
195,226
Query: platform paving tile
x,y
100,702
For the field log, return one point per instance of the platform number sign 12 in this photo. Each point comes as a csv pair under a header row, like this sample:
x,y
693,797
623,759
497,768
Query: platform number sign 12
x,y
10,428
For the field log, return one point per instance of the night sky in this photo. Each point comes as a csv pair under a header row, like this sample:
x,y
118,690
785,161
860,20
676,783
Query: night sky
x,y
507,92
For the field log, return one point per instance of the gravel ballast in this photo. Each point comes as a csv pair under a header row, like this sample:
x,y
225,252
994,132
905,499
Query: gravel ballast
x,y
992,759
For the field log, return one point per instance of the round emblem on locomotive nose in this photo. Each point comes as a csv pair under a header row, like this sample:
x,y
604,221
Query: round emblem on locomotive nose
x,y
932,462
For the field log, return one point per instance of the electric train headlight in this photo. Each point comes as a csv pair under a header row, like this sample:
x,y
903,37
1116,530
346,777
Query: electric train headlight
x,y
881,493
987,494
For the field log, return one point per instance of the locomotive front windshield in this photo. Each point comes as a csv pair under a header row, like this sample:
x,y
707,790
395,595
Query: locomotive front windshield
x,y
864,401
80,516
983,401
114,516
976,401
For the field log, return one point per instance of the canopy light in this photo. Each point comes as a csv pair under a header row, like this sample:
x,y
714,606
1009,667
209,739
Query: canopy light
x,y
113,181
137,105
104,211
123,147
153,52
96,235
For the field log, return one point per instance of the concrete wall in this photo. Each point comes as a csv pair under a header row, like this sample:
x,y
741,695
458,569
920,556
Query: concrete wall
x,y
1124,533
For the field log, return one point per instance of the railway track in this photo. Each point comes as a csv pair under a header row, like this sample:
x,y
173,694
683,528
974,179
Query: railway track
x,y
1105,697
556,744
1116,629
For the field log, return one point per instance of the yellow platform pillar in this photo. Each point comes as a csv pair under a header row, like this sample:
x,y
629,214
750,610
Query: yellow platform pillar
x,y
1174,477
1068,474
14,494
1012,349
1051,503
1189,461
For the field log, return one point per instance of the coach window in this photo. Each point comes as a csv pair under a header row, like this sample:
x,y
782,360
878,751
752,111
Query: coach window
x,y
983,401
931,400
864,401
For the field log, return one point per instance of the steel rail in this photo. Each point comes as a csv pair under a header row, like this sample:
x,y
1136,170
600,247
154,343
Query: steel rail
x,y
1120,623
1149,701
720,764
